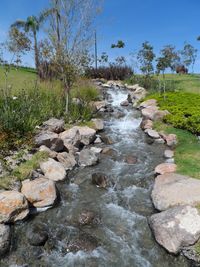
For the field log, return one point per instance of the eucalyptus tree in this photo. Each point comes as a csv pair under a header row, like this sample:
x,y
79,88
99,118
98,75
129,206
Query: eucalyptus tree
x,y
189,55
32,25
146,57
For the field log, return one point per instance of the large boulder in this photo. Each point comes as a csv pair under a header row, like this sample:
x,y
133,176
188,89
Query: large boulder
x,y
87,158
50,140
67,160
5,235
40,192
71,137
54,125
78,134
148,103
165,168
173,189
53,170
149,112
140,93
176,228
13,207
98,124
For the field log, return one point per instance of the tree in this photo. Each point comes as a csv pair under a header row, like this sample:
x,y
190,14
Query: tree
x,y
145,57
120,44
104,58
32,24
71,35
189,55
171,57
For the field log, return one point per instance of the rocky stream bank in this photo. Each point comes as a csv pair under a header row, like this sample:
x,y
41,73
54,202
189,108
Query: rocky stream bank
x,y
90,202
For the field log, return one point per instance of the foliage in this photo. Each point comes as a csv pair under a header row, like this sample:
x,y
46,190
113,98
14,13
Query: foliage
x,y
189,55
169,58
184,108
23,171
187,152
120,44
112,72
145,57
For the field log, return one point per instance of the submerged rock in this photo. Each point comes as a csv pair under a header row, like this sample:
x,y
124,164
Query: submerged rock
x,y
13,207
87,158
131,159
124,103
100,180
176,228
106,139
173,189
40,192
53,170
89,218
37,235
5,236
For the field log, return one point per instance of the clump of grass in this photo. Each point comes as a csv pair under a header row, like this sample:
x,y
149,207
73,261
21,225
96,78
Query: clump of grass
x,y
187,152
23,171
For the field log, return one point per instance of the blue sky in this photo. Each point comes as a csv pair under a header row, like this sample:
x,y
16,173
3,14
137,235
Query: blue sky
x,y
159,21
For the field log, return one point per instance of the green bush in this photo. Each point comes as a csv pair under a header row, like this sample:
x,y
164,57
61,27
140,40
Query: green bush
x,y
184,108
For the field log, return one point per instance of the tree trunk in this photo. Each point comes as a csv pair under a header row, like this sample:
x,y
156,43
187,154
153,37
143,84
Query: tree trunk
x,y
37,63
66,100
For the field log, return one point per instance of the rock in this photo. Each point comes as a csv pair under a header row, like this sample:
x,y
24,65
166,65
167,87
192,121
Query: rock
x,y
159,141
87,218
148,103
96,150
171,140
87,158
168,154
160,114
98,105
152,133
98,140
124,103
98,124
172,189
106,139
149,112
53,170
67,160
5,236
105,85
50,140
132,87
146,124
110,152
40,192
51,154
176,228
88,135
71,149
149,140
165,168
131,159
170,160
139,93
71,137
54,125
13,207
37,235
100,180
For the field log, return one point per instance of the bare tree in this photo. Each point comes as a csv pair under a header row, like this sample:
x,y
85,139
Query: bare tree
x,y
71,35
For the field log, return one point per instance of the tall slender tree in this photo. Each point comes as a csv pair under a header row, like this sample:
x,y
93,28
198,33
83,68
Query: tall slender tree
x,y
32,25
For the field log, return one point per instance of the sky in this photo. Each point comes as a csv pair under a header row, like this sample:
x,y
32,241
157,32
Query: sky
x,y
160,22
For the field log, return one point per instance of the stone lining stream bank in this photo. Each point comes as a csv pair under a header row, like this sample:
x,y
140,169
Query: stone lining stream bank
x,y
101,218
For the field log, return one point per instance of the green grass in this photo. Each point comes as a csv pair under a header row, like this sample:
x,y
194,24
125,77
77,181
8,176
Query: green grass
x,y
187,153
24,170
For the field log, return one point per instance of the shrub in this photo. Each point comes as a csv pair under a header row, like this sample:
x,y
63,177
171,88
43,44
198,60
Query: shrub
x,y
113,72
184,108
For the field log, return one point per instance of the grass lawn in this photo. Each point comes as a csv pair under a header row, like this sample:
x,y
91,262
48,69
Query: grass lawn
x,y
188,83
187,153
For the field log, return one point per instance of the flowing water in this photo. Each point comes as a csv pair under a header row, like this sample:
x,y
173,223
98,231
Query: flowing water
x,y
121,236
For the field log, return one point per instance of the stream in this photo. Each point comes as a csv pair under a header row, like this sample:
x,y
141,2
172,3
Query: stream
x,y
119,235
